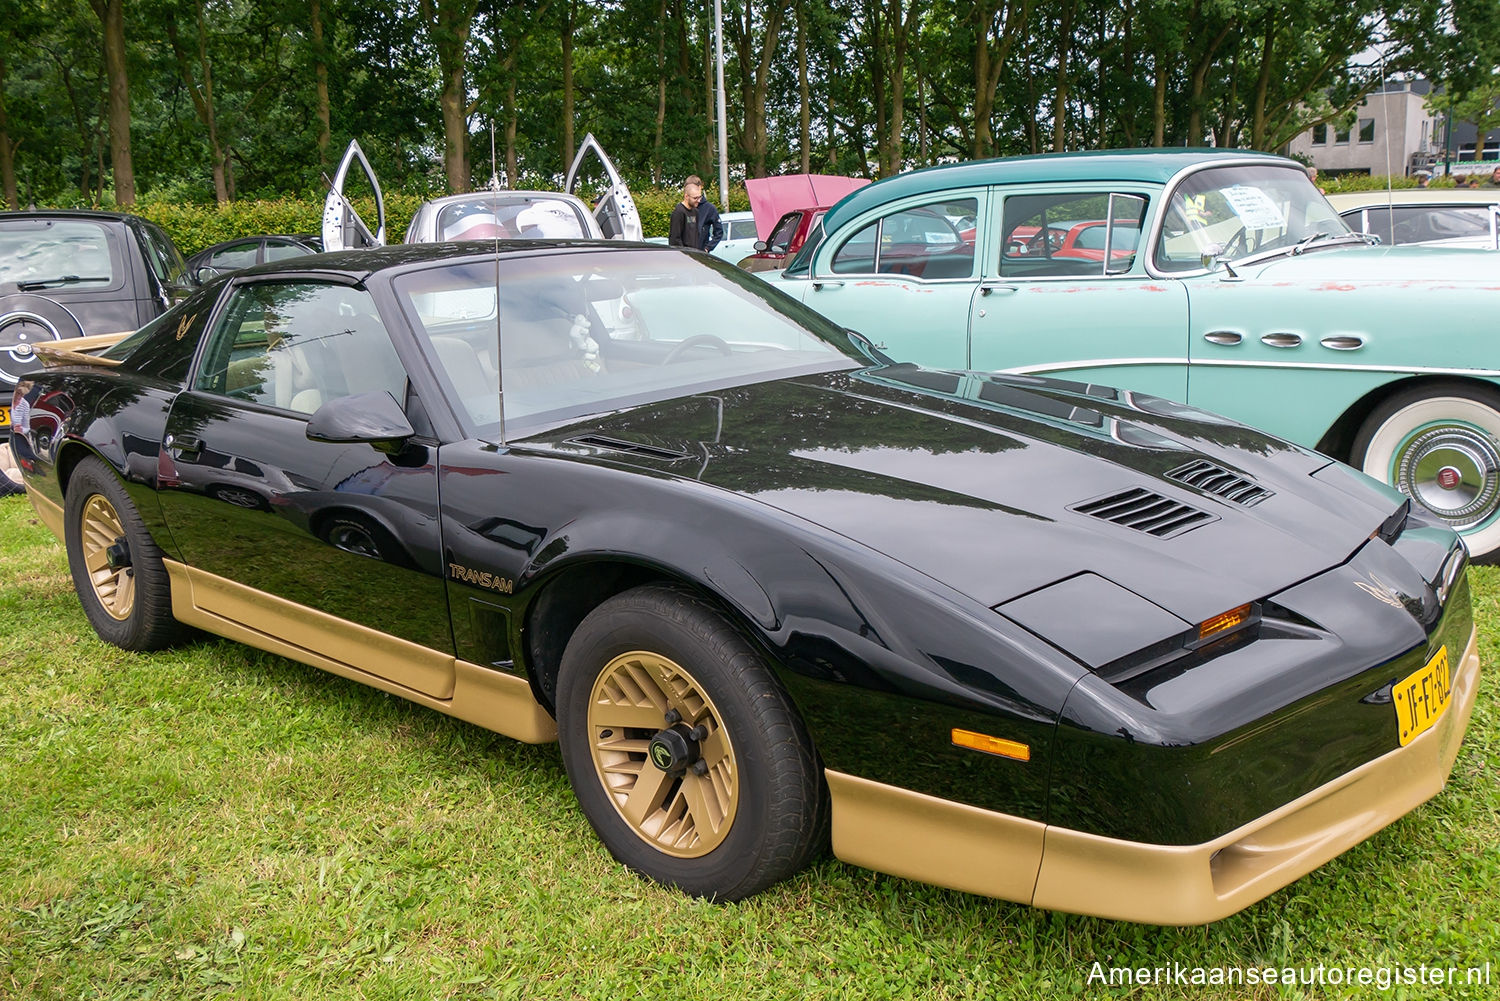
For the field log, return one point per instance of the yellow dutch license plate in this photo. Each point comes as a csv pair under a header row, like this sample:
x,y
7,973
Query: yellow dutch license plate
x,y
4,417
1421,696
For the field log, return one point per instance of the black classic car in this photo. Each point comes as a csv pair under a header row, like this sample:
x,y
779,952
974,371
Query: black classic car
x,y
71,274
1056,643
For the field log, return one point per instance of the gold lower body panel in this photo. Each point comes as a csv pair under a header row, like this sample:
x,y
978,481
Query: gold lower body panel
x,y
494,700
50,514
965,848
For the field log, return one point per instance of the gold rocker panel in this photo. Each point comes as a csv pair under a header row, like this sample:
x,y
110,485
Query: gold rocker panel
x,y
909,834
50,514
499,702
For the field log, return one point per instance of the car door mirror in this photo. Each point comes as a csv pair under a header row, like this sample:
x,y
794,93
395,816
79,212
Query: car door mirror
x,y
372,418
760,246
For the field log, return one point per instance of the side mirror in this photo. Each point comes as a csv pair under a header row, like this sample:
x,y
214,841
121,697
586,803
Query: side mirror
x,y
760,246
373,418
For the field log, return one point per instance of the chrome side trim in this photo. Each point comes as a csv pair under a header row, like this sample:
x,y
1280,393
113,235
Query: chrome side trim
x,y
1472,373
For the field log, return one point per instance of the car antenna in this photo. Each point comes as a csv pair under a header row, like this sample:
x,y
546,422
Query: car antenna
x,y
499,340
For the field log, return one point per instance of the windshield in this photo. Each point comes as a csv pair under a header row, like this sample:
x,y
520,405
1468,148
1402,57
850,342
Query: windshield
x,y
74,252
508,217
1234,212
587,333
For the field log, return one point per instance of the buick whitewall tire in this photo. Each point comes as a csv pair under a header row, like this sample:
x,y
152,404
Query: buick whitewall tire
x,y
1440,445
686,755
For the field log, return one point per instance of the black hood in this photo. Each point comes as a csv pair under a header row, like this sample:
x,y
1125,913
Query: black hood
x,y
999,485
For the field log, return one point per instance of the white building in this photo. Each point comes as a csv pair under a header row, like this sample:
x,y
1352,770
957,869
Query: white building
x,y
1394,133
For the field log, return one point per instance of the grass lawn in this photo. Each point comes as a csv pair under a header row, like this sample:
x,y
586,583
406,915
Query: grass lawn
x,y
215,821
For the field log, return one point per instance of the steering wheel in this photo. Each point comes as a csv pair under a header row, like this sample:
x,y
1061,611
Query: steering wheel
x,y
697,341
1239,239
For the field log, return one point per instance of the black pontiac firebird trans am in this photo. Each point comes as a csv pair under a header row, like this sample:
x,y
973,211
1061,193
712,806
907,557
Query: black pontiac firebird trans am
x,y
1059,644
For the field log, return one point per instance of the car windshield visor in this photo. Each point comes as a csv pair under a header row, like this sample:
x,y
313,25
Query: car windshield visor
x,y
1235,212
587,333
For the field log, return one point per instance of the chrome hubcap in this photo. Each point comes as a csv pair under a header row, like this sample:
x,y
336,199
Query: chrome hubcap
x,y
661,751
1452,470
107,558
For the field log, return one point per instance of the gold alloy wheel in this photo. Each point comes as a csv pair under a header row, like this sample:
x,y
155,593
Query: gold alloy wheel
x,y
100,530
661,751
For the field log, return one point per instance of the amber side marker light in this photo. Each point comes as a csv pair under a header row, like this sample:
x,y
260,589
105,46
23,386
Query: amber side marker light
x,y
1223,622
1012,749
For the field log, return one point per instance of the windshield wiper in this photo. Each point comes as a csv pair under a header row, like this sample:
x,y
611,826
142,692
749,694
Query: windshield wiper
x,y
1307,241
61,280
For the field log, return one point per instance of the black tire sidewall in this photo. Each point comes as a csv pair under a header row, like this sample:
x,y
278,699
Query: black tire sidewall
x,y
150,624
735,868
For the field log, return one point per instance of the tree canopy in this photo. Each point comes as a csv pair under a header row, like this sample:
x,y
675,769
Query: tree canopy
x,y
197,100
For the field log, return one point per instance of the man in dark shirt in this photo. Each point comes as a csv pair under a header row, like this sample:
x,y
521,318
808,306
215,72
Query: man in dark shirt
x,y
710,226
682,231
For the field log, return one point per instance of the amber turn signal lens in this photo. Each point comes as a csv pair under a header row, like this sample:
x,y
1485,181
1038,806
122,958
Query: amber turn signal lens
x,y
1223,622
1013,749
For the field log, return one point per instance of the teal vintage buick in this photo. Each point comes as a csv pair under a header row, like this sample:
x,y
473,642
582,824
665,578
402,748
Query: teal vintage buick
x,y
1215,278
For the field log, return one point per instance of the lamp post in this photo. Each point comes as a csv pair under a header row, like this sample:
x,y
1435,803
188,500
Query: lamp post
x,y
723,121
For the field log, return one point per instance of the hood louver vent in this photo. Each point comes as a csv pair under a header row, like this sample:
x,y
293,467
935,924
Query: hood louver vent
x,y
1146,512
1219,481
622,445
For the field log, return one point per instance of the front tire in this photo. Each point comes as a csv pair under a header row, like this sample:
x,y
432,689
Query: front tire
x,y
117,568
686,755
1440,445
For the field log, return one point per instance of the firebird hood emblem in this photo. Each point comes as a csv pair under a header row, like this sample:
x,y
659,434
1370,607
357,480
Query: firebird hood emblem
x,y
1380,591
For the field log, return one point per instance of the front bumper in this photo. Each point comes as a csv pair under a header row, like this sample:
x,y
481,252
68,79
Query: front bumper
x,y
979,851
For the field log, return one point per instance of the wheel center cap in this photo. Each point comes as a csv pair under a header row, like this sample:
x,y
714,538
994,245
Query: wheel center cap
x,y
1448,477
672,751
118,555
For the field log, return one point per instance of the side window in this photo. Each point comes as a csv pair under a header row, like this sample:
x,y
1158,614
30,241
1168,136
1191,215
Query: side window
x,y
931,242
297,345
1053,235
161,254
234,256
280,250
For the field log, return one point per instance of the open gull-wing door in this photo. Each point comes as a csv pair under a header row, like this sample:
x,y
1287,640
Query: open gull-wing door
x,y
343,229
615,210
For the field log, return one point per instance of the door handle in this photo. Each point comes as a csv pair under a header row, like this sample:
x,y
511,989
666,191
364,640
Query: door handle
x,y
987,289
1343,342
1281,340
831,283
185,445
1226,337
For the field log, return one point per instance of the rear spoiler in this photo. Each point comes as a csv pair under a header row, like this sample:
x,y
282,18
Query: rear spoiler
x,y
76,350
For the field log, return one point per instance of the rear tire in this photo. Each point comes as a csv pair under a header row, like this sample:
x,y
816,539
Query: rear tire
x,y
686,755
117,568
1440,445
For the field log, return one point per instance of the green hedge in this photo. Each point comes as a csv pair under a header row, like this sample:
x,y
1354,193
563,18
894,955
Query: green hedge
x,y
195,226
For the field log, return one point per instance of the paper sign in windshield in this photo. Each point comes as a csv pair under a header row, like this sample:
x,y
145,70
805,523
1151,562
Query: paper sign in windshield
x,y
1255,210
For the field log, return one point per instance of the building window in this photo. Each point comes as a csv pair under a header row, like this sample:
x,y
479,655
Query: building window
x,y
1367,130
1320,135
1341,137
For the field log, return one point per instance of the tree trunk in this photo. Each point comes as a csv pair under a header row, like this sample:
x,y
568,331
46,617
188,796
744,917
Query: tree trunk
x,y
7,149
1199,86
570,19
1060,108
111,14
1159,102
805,135
755,78
899,22
320,76
202,96
1263,84
448,24
661,92
989,62
512,169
